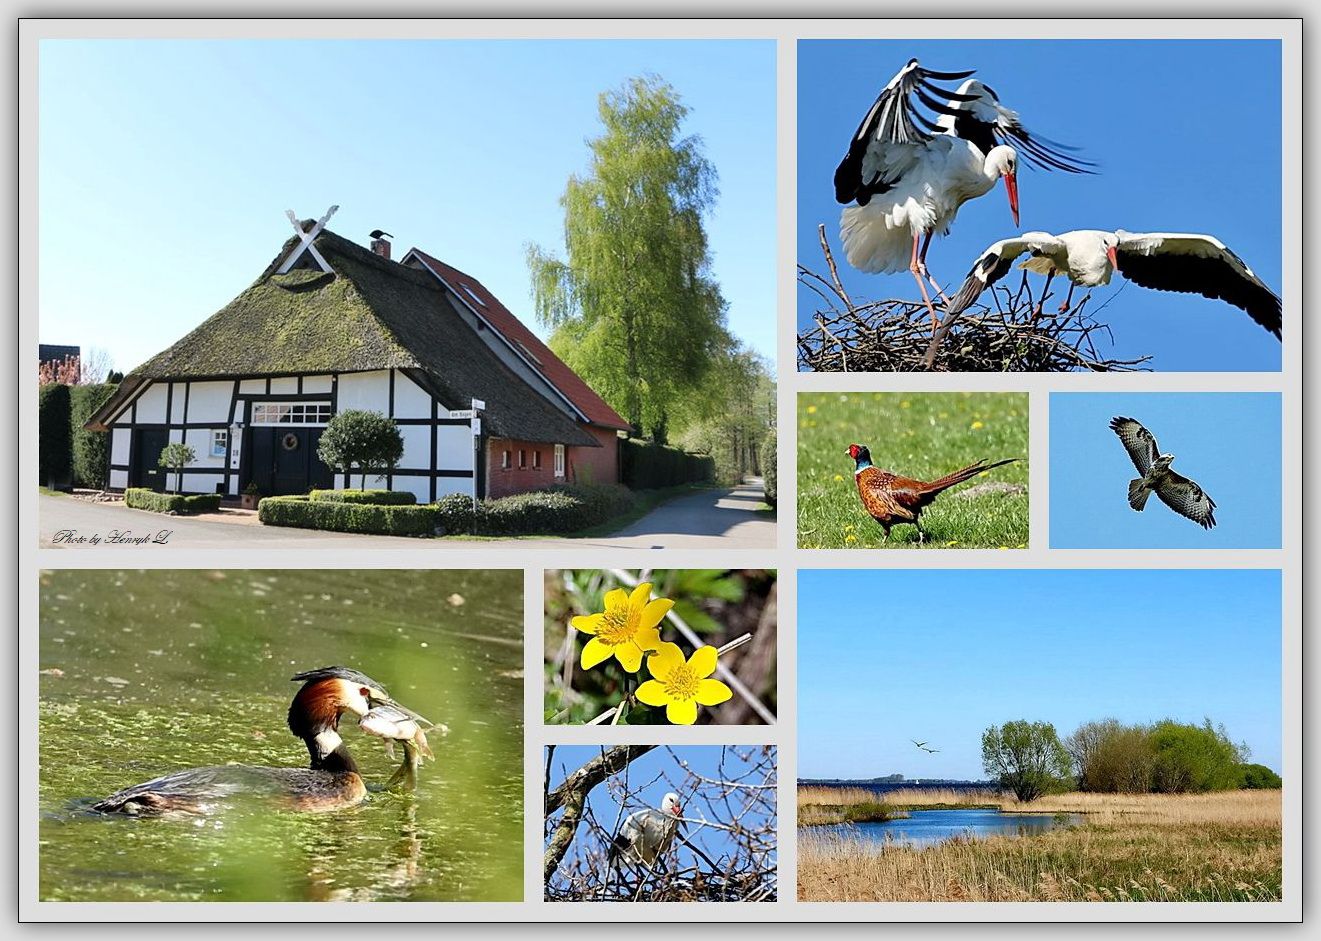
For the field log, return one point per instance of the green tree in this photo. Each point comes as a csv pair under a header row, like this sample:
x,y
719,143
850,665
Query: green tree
x,y
175,456
1194,758
1111,757
1260,776
366,440
635,310
1026,758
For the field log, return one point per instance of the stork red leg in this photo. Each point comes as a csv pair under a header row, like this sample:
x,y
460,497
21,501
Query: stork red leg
x,y
916,267
1042,303
1068,299
922,263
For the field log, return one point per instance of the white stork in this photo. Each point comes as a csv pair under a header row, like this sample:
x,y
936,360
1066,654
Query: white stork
x,y
645,835
1192,264
909,175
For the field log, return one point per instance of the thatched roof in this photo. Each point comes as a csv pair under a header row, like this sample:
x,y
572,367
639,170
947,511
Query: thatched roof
x,y
368,314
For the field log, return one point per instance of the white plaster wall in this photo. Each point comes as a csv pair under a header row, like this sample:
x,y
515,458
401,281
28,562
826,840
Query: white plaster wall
x,y
284,385
199,439
120,439
448,485
176,403
364,390
417,446
454,447
314,384
118,479
410,401
151,404
200,483
253,385
420,487
209,401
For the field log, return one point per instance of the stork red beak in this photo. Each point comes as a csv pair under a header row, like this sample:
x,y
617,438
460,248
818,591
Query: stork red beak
x,y
1113,254
1011,187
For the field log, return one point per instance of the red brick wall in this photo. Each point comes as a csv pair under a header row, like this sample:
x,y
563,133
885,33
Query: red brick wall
x,y
595,465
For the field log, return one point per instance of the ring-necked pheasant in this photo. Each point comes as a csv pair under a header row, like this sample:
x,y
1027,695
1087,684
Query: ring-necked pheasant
x,y
891,499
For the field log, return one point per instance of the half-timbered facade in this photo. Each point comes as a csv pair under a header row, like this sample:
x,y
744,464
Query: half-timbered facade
x,y
331,326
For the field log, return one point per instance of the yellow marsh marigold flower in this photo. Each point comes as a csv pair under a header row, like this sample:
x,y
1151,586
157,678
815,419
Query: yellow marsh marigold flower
x,y
624,629
682,685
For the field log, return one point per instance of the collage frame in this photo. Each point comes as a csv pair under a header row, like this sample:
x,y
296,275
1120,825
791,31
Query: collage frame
x,y
786,558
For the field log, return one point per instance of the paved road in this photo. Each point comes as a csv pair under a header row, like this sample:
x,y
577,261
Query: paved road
x,y
712,519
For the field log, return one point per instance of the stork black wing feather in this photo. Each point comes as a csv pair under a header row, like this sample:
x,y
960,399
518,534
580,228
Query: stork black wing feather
x,y
1212,277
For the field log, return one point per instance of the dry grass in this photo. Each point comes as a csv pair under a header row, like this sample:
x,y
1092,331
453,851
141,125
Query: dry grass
x,y
1134,847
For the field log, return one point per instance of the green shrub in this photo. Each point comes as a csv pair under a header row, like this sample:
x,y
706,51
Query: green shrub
x,y
91,457
1259,776
768,470
140,498
348,517
456,513
368,441
1194,758
563,509
645,465
54,449
372,497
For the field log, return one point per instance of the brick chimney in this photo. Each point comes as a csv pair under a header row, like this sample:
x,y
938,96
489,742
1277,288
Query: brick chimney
x,y
381,243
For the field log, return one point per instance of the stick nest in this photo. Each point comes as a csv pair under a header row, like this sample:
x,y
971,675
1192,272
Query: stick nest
x,y
1003,336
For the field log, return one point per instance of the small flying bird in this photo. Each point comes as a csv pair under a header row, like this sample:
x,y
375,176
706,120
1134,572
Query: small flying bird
x,y
1180,494
1165,261
891,499
909,175
645,835
923,746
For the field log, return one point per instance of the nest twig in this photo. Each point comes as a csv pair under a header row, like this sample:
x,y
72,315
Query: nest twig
x,y
999,336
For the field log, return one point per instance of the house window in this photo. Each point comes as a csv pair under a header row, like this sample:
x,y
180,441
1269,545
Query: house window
x,y
473,295
219,442
559,460
290,413
536,459
522,459
504,459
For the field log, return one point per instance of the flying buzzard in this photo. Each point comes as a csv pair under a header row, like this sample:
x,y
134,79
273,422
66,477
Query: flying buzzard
x,y
1180,494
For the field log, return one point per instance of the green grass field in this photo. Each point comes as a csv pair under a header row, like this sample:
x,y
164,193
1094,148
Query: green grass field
x,y
919,434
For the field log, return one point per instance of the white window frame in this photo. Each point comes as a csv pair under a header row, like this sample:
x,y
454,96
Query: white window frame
x,y
219,442
559,460
522,458
302,414
505,459
536,459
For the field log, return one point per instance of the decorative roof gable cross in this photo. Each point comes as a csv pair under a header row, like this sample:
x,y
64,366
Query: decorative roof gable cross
x,y
306,244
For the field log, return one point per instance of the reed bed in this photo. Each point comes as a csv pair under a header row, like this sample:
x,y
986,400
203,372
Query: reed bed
x,y
1134,847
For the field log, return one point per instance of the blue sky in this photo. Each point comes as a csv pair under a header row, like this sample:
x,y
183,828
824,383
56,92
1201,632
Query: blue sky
x,y
655,773
1153,113
1229,443
166,166
938,656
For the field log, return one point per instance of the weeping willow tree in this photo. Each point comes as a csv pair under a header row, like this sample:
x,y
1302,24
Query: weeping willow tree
x,y
634,308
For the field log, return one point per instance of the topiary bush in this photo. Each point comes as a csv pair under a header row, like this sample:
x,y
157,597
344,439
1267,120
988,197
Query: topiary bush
x,y
91,449
372,497
141,498
54,449
456,514
769,474
341,517
367,441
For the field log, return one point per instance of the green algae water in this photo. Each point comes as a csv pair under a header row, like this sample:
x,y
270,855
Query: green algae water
x,y
144,673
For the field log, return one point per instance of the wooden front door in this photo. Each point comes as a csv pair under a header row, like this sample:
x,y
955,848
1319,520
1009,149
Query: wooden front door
x,y
284,461
148,443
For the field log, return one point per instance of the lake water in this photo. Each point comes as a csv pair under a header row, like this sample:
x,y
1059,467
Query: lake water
x,y
929,827
144,673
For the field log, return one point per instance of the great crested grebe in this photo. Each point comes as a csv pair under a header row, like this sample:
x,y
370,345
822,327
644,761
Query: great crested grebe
x,y
332,781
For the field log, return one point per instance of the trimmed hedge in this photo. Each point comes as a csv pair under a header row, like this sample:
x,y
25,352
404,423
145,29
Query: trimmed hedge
x,y
91,449
564,509
455,513
769,474
54,448
645,465
369,497
348,517
140,498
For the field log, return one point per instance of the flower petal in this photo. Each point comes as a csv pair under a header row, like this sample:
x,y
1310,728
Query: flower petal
x,y
595,652
655,611
703,661
664,660
638,600
712,692
682,713
615,598
652,693
648,639
629,656
587,623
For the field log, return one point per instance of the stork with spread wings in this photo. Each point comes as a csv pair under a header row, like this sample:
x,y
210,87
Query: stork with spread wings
x,y
1180,494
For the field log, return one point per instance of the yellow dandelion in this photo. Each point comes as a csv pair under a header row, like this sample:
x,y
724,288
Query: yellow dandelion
x,y
811,409
850,538
839,478
625,629
976,425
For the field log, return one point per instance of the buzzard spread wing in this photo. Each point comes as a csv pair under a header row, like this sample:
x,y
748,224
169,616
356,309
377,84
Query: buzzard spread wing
x,y
1184,497
1138,442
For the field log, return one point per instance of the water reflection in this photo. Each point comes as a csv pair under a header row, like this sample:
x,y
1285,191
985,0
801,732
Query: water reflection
x,y
929,827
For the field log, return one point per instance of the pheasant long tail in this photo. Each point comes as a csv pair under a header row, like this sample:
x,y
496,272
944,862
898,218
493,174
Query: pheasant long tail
x,y
967,473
